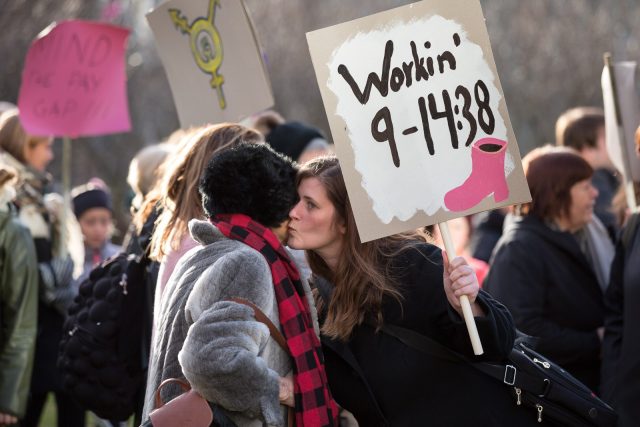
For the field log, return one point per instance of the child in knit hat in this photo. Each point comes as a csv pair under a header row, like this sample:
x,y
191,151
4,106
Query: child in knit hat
x,y
93,209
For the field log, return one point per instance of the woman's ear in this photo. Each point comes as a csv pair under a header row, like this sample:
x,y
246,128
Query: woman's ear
x,y
342,227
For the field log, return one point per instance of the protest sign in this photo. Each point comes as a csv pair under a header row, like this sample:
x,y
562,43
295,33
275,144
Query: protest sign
x,y
74,81
622,117
212,60
418,117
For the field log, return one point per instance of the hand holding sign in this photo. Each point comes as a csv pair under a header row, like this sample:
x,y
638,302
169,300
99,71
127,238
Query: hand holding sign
x,y
418,119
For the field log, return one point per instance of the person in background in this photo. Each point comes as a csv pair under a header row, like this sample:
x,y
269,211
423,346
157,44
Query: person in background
x,y
145,169
550,269
486,231
621,207
621,346
582,128
18,306
265,122
298,141
44,214
397,280
93,198
247,191
93,208
176,194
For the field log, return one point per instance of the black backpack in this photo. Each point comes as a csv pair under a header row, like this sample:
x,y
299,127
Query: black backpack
x,y
101,355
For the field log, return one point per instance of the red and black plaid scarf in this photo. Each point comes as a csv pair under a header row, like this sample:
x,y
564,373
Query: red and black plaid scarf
x,y
314,404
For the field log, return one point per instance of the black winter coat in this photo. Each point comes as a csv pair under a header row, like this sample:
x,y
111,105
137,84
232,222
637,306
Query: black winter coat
x,y
384,382
546,282
621,346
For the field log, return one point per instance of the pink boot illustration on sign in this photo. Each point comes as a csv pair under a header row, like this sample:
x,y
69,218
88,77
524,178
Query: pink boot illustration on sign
x,y
487,176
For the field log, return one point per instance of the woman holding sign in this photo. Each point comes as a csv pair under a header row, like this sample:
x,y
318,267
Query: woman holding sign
x,y
396,281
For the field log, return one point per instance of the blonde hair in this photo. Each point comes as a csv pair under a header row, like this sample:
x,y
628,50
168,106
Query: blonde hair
x,y
14,139
176,194
266,121
146,168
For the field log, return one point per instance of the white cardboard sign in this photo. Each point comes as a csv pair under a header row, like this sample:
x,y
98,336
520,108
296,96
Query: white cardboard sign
x,y
212,60
417,115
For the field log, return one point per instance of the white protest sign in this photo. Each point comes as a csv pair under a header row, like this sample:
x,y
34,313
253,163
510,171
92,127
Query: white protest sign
x,y
626,96
622,116
417,115
212,60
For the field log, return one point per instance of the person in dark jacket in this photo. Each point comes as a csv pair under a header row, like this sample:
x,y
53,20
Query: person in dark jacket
x,y
621,346
582,128
397,280
18,306
487,230
544,266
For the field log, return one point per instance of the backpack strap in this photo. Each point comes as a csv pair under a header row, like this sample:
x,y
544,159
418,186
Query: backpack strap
x,y
506,373
421,342
276,335
262,318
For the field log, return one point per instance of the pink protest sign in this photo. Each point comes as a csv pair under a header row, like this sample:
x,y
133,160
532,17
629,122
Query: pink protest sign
x,y
74,82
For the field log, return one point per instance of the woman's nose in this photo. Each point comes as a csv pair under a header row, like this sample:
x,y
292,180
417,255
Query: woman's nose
x,y
293,213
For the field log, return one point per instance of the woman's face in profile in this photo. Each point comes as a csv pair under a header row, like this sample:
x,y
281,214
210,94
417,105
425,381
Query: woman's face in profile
x,y
313,223
39,156
583,200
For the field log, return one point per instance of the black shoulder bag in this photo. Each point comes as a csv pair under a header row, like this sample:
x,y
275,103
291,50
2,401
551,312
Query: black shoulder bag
x,y
536,381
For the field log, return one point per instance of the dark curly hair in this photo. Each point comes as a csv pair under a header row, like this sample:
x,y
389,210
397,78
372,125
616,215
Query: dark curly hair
x,y
250,179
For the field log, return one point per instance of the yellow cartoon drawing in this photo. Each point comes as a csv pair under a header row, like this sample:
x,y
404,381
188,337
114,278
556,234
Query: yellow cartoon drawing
x,y
206,45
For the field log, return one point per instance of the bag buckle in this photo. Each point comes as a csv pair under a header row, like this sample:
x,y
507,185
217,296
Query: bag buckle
x,y
547,386
509,375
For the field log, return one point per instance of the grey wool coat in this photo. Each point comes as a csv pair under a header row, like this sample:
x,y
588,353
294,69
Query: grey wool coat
x,y
217,345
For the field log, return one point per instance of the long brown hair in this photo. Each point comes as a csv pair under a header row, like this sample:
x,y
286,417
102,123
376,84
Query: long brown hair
x,y
363,275
177,192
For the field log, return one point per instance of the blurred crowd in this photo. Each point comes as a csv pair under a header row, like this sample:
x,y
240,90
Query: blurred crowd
x,y
259,211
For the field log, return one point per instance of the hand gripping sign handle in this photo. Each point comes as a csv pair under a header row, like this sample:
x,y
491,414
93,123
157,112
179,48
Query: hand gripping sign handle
x,y
464,300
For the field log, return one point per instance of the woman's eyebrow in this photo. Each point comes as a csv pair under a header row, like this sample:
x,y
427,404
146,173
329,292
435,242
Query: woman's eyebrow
x,y
309,198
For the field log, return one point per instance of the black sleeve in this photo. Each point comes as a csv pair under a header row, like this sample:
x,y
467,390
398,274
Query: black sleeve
x,y
427,310
613,323
519,280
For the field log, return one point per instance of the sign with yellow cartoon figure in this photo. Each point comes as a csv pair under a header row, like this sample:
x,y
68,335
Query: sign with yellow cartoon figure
x,y
212,60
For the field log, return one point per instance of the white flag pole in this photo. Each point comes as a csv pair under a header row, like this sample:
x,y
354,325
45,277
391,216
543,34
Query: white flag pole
x,y
464,300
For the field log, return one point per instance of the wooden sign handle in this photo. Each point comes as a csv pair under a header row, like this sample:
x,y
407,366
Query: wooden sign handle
x,y
464,300
66,194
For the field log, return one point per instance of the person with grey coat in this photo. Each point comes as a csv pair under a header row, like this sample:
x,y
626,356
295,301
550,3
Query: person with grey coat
x,y
214,343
